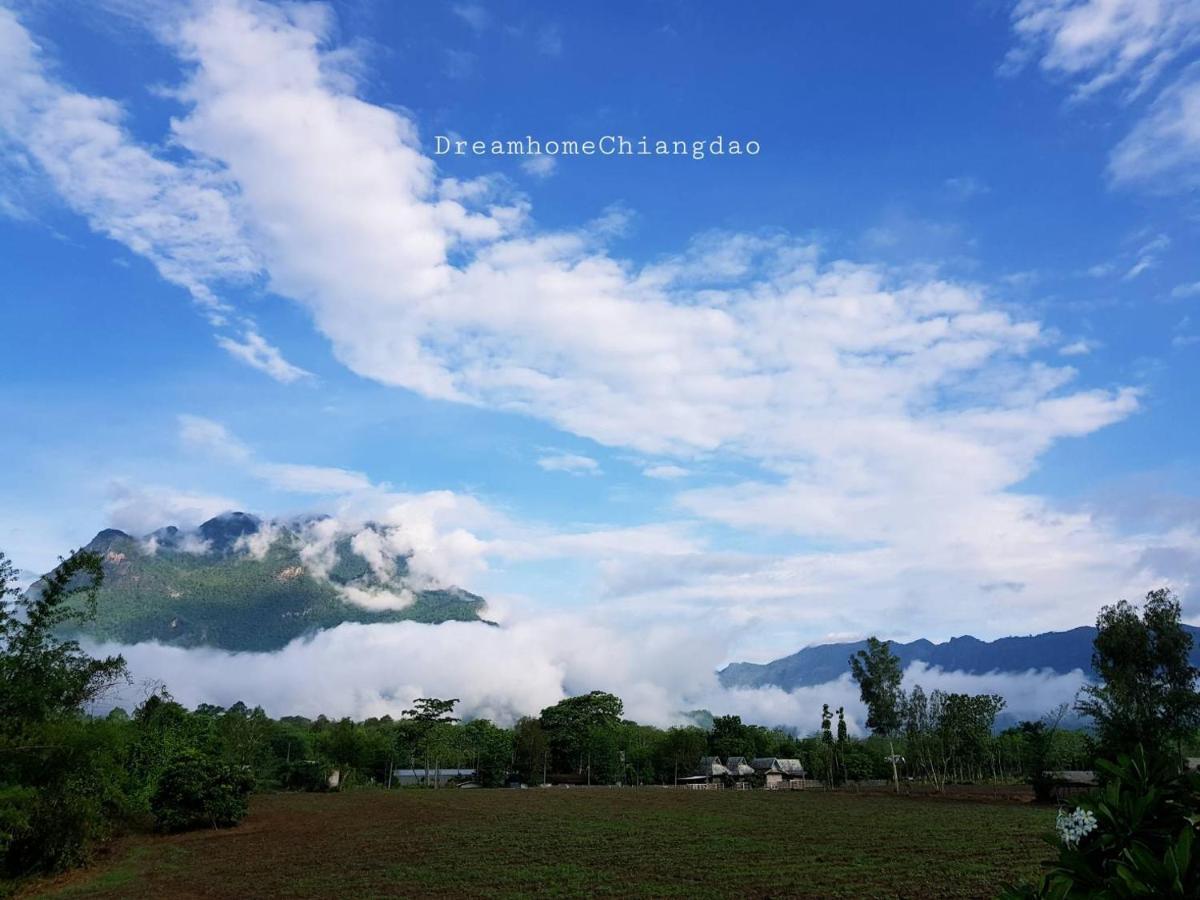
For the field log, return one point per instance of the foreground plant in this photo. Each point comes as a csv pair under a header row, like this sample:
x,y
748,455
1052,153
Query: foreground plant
x,y
1135,837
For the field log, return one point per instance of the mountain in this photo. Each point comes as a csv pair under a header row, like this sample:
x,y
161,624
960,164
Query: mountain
x,y
238,583
1058,651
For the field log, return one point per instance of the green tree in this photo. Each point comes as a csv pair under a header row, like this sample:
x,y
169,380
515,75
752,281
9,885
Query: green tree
x,y
42,675
843,742
1146,692
575,724
62,781
827,743
877,672
731,737
681,749
490,750
428,715
531,750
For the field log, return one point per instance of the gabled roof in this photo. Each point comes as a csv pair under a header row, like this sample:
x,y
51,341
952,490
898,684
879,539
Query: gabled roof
x,y
737,765
711,765
765,764
790,766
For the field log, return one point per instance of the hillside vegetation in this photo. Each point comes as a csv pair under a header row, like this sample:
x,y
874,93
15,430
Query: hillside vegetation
x,y
208,589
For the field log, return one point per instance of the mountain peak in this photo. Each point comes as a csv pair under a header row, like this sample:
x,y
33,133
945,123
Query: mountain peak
x,y
222,532
104,540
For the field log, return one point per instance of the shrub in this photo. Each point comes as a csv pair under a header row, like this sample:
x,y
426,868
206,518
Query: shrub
x,y
50,828
196,791
303,775
16,813
1135,837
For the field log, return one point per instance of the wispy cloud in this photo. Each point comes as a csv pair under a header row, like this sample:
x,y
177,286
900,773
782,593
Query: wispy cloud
x,y
212,437
474,15
257,353
666,471
1100,44
573,463
540,166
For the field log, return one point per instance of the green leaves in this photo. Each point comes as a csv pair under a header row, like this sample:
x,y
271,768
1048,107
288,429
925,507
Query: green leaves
x,y
1146,693
878,674
1144,845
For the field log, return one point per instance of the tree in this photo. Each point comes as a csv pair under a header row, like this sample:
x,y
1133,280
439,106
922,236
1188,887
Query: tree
x,y
1146,692
731,737
574,725
427,714
41,675
196,791
490,748
877,671
827,743
843,741
531,749
61,775
681,749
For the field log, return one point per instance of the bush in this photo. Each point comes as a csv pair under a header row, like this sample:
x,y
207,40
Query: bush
x,y
196,791
16,815
49,829
303,775
1132,838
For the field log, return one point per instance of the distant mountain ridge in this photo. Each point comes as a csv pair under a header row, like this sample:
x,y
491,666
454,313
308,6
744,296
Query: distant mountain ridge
x,y
239,583
1057,651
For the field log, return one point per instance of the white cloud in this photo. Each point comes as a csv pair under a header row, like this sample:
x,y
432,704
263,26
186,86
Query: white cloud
x,y
1163,149
540,166
1186,290
964,187
176,215
665,471
1081,347
549,40
474,15
204,434
504,673
257,353
1104,42
139,509
574,463
1096,44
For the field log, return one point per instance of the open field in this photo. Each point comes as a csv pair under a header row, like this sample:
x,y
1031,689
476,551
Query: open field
x,y
597,842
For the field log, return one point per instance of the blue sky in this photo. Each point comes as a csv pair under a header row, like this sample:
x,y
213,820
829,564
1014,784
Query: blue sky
x,y
925,364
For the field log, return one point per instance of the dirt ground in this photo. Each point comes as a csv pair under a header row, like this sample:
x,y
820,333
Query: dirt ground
x,y
587,842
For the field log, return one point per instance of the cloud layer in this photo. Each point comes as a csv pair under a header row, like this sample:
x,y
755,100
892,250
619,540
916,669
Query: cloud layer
x,y
361,671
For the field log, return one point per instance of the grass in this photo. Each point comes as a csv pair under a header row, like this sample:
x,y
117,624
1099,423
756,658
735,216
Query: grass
x,y
572,843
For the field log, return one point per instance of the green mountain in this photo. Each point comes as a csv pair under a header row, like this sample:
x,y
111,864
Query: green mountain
x,y
213,587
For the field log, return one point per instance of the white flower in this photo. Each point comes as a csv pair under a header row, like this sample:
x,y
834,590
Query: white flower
x,y
1073,827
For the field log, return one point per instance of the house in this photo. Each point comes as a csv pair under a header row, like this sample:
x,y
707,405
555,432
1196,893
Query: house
x,y
440,777
1067,783
776,774
711,769
767,771
738,768
710,773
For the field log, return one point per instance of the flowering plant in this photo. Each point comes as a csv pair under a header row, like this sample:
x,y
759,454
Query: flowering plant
x,y
1073,827
1132,838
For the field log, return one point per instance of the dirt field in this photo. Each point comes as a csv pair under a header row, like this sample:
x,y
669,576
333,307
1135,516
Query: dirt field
x,y
578,842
